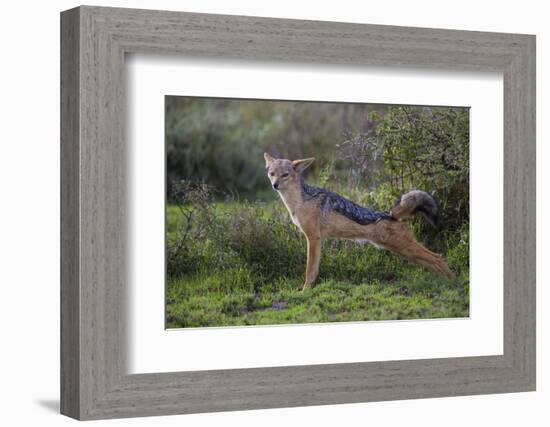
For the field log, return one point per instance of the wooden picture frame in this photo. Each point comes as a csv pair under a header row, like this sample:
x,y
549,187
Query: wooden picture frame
x,y
94,41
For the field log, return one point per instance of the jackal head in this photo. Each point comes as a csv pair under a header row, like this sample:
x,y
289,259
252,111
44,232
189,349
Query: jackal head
x,y
284,173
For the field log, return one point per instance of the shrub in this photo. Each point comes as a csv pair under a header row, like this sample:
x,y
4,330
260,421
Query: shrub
x,y
188,228
262,237
458,254
415,147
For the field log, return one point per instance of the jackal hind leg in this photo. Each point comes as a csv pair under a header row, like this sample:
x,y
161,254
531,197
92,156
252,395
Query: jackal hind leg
x,y
419,254
405,244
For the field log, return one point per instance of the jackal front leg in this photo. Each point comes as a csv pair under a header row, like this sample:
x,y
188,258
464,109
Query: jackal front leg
x,y
313,257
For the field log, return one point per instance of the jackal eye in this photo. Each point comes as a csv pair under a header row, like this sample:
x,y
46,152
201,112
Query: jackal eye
x,y
271,174
284,175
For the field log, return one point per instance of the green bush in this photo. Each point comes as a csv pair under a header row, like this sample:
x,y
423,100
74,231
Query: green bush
x,y
458,254
415,147
189,224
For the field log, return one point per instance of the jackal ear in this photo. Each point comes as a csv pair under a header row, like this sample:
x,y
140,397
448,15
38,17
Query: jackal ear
x,y
302,164
268,158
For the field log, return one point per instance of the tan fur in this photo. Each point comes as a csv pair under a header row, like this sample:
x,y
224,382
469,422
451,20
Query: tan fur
x,y
395,236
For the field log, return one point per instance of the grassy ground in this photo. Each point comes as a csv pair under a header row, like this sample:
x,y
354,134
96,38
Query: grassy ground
x,y
248,269
201,301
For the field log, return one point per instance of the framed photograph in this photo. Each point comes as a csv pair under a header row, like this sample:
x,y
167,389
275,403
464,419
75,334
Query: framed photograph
x,y
261,213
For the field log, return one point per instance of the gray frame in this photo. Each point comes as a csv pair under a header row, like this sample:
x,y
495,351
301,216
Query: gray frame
x,y
94,41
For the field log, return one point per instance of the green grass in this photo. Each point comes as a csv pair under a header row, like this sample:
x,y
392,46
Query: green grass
x,y
247,269
205,300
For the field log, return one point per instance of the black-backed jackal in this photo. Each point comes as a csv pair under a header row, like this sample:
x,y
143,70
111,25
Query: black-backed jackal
x,y
321,214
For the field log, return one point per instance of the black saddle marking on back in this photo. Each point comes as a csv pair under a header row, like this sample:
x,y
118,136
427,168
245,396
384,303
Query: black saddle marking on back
x,y
333,201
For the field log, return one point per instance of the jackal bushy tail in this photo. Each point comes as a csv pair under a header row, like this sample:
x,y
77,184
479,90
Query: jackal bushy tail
x,y
416,201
